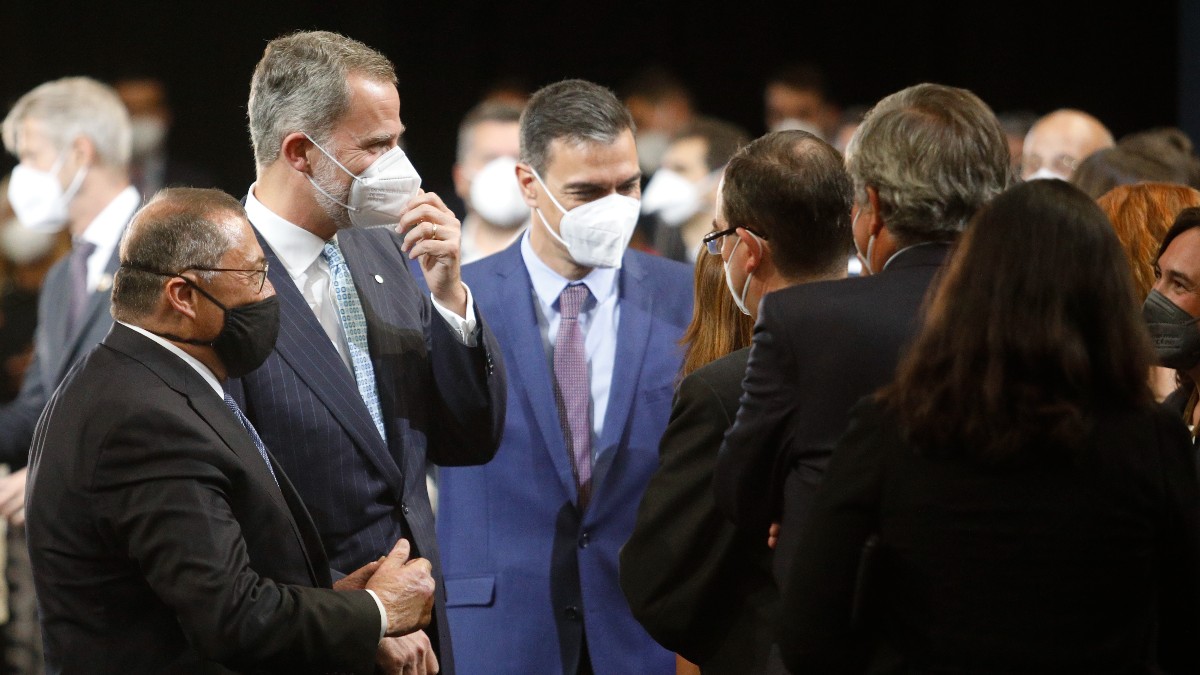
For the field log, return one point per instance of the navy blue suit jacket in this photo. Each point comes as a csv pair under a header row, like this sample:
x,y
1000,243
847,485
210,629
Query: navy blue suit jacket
x,y
526,572
440,399
55,350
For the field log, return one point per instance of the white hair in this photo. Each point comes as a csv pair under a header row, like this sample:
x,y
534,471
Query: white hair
x,y
72,107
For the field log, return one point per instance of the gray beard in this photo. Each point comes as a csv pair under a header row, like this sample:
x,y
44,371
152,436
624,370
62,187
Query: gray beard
x,y
326,175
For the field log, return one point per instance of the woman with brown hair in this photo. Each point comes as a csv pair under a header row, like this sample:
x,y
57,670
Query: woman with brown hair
x,y
1033,510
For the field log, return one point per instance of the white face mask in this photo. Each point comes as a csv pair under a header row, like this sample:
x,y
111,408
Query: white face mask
x,y
496,195
674,198
1044,173
595,233
37,198
380,194
147,134
739,299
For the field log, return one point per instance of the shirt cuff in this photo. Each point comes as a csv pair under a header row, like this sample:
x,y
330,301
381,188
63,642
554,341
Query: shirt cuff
x,y
463,327
382,614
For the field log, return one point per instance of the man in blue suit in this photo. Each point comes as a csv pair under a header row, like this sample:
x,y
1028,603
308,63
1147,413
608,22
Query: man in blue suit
x,y
590,336
370,375
71,137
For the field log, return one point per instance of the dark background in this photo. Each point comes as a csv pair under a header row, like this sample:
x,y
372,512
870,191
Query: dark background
x,y
1124,65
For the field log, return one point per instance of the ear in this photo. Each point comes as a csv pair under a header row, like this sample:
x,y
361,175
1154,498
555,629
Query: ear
x,y
296,149
526,180
874,219
181,297
84,151
754,248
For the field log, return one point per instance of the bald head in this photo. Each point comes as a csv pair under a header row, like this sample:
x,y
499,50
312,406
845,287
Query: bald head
x,y
1059,141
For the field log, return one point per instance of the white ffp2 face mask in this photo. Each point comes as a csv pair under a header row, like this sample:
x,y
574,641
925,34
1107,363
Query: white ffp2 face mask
x,y
37,198
380,194
496,194
595,233
674,198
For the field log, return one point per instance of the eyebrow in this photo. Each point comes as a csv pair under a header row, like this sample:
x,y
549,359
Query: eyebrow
x,y
583,186
1175,275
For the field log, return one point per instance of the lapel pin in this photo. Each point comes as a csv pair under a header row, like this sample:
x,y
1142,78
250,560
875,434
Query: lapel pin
x,y
105,283
378,279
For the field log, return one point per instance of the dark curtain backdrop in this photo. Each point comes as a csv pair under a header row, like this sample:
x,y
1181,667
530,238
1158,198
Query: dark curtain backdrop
x,y
1121,64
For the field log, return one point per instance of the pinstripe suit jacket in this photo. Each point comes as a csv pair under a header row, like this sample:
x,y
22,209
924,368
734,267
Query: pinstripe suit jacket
x,y
439,398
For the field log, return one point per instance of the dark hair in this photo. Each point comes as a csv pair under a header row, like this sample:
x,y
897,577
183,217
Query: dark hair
x,y
801,77
576,110
486,111
655,84
1158,155
179,229
1032,334
1187,219
792,188
722,138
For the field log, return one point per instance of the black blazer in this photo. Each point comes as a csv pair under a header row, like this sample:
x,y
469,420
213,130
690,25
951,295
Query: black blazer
x,y
440,399
701,586
818,348
1057,566
159,540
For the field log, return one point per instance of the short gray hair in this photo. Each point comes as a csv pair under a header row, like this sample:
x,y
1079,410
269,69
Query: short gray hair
x,y
72,107
934,154
300,84
576,110
488,111
179,229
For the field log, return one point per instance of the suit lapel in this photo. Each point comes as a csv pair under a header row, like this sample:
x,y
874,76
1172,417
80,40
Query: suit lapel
x,y
305,347
88,332
633,336
209,407
528,370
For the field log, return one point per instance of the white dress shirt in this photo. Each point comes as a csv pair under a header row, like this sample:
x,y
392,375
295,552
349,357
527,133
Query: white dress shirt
x,y
212,381
105,232
300,252
597,320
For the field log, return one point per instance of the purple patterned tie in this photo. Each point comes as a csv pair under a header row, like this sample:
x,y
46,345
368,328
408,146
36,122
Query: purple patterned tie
x,y
571,391
77,268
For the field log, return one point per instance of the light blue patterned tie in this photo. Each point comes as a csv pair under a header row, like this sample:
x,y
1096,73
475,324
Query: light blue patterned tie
x,y
354,325
258,444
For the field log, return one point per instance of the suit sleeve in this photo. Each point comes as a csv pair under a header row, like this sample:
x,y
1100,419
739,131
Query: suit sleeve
x,y
19,417
747,481
679,570
815,632
470,397
160,495
1179,552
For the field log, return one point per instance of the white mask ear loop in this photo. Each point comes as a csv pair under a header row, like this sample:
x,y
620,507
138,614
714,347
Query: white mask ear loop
x,y
331,157
317,185
542,217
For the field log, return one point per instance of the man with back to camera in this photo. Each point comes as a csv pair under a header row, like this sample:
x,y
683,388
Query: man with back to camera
x,y
701,586
590,333
1059,141
370,375
485,180
923,161
162,535
71,137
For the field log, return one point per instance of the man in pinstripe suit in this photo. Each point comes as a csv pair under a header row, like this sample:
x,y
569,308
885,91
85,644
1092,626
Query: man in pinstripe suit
x,y
369,375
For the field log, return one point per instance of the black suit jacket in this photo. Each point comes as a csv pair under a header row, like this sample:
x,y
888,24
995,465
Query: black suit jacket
x,y
161,543
55,350
817,349
439,399
701,586
1061,565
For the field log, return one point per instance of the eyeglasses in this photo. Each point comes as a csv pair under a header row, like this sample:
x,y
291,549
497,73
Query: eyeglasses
x,y
250,274
712,240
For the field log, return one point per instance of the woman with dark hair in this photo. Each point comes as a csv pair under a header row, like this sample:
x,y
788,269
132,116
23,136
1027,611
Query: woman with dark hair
x,y
1029,508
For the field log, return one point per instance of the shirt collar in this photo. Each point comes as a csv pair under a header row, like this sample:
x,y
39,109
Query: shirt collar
x,y
105,229
548,284
187,358
296,247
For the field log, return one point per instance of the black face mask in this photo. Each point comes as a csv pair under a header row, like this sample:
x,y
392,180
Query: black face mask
x,y
247,336
1175,333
